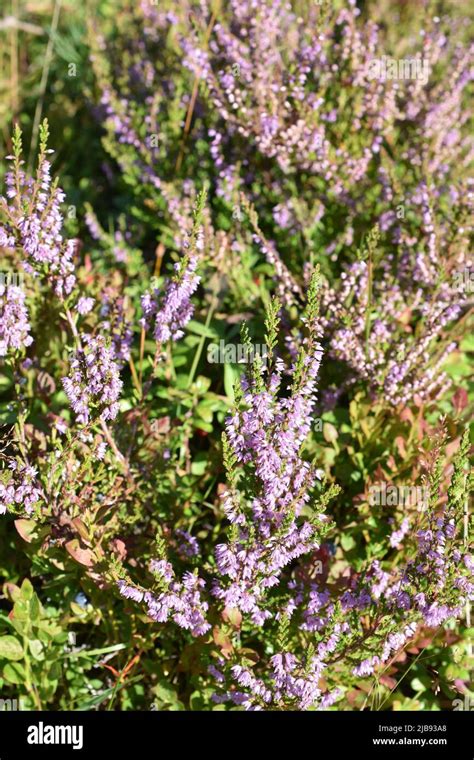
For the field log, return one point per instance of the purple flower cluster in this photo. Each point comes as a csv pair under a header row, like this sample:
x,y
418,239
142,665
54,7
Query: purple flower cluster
x,y
189,547
397,536
93,386
21,491
393,643
115,324
289,683
172,309
267,437
395,364
14,323
34,223
431,588
84,305
263,96
179,600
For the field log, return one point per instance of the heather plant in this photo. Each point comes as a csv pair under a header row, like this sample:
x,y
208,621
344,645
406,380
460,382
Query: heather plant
x,y
273,93
181,533
283,114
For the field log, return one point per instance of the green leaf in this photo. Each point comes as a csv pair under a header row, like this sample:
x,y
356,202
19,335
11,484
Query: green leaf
x,y
55,672
203,425
5,383
198,329
196,701
14,672
27,589
11,591
199,467
166,696
204,413
95,701
21,610
35,608
202,384
18,625
64,47
10,648
231,375
347,542
7,416
78,610
36,648
95,652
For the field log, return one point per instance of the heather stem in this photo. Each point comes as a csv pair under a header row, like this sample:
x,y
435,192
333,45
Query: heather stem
x,y
113,446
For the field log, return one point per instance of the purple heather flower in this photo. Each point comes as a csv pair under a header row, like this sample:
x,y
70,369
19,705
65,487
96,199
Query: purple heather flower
x,y
34,224
163,569
189,546
130,592
268,435
93,385
397,536
61,425
85,305
366,667
117,327
179,600
101,450
93,225
22,490
172,309
288,680
14,323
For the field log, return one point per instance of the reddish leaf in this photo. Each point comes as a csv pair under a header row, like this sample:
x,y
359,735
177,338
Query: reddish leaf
x,y
45,384
400,444
83,556
222,640
459,400
388,681
26,529
249,656
354,697
406,415
81,528
233,616
391,463
119,548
